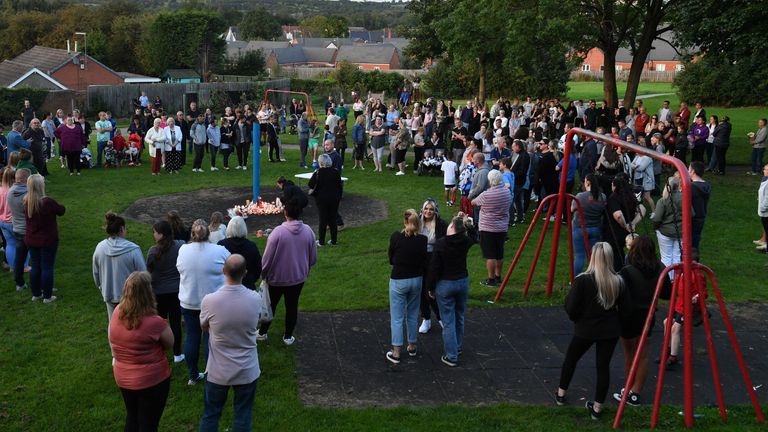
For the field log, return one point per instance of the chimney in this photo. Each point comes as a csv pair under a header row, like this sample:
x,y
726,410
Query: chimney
x,y
68,50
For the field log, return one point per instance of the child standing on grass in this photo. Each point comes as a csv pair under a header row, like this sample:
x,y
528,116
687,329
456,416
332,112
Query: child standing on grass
x,y
449,168
110,155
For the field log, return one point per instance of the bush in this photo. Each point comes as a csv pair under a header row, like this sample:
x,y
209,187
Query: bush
x,y
11,102
716,81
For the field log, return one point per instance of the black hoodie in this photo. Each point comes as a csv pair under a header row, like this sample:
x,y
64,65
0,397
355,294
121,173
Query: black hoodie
x,y
449,258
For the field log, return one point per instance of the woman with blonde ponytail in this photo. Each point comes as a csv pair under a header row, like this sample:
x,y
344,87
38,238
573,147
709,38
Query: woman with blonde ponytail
x,y
596,304
408,256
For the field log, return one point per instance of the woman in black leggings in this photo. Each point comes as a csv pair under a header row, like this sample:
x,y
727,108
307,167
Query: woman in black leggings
x,y
326,188
595,302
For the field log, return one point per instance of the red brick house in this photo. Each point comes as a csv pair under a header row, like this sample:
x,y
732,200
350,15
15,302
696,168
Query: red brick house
x,y
370,56
73,70
662,58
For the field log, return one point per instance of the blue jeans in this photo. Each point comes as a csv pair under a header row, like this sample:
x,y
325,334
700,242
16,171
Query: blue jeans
x,y
41,275
757,160
10,242
194,336
216,396
452,301
579,253
100,145
404,298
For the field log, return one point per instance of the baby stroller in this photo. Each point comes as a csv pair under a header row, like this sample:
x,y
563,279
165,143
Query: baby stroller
x,y
431,165
86,158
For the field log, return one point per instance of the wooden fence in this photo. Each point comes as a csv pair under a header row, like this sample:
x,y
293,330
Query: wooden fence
x,y
315,72
119,98
622,75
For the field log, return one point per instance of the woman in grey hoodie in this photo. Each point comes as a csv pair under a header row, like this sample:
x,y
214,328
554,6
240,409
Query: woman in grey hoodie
x,y
113,260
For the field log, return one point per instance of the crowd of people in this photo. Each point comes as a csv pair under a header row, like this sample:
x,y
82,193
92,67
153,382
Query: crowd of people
x,y
496,160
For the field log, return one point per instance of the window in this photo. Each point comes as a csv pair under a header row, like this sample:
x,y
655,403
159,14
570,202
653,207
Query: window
x,y
679,67
602,68
619,68
376,68
661,67
585,67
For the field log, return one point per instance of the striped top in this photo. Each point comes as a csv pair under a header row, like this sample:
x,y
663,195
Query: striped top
x,y
494,209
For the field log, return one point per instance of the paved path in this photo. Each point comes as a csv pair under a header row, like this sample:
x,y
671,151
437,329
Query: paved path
x,y
511,355
648,96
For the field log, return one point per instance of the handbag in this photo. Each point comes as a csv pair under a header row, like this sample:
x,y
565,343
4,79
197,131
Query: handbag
x,y
265,309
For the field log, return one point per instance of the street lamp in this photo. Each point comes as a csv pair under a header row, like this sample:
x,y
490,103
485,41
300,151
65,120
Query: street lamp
x,y
85,48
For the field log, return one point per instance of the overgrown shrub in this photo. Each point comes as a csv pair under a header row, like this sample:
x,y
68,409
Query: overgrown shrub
x,y
715,81
12,101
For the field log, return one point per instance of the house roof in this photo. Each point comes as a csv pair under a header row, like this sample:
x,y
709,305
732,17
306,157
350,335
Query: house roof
x,y
181,73
366,54
322,42
319,55
236,48
293,55
398,42
45,58
367,36
10,71
129,77
662,51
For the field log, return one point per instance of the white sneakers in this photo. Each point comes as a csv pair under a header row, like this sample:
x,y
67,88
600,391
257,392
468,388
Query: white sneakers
x,y
178,358
289,341
425,326
399,173
261,337
49,300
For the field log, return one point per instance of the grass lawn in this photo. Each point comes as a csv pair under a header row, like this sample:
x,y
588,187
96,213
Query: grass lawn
x,y
56,372
594,89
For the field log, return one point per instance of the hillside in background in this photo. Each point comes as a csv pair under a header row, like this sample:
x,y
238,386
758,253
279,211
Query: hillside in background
x,y
371,15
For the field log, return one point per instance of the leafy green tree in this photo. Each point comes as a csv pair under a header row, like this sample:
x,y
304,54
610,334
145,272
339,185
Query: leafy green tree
x,y
250,63
23,30
124,43
260,24
731,67
195,37
322,26
419,28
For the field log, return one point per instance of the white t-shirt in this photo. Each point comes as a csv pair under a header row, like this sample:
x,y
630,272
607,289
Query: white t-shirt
x,y
448,168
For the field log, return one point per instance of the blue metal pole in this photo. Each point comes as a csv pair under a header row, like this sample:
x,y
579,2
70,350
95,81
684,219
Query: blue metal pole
x,y
256,161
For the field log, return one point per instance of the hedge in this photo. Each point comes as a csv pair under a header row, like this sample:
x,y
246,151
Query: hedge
x,y
12,101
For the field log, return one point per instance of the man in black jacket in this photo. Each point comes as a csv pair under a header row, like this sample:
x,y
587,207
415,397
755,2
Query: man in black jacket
x,y
520,162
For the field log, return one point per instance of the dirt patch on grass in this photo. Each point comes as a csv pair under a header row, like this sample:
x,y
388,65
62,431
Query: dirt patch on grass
x,y
356,210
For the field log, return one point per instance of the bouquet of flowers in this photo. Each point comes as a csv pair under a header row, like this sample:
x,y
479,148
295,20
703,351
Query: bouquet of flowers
x,y
256,208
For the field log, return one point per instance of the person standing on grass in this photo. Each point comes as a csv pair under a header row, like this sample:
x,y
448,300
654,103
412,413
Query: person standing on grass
x,y
140,338
199,264
290,253
408,257
640,277
161,264
7,179
592,202
358,142
114,259
230,316
214,141
15,198
103,129
494,221
762,209
41,236
479,181
327,189
199,137
448,282
596,303
700,193
757,139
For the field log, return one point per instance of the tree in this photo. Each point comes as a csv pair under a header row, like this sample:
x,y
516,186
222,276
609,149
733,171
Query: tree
x,y
467,29
424,42
124,43
197,44
23,31
260,24
730,68
250,63
322,26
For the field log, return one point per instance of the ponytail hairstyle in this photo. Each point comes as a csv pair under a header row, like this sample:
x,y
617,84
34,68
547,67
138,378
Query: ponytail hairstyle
x,y
607,281
199,232
411,222
114,224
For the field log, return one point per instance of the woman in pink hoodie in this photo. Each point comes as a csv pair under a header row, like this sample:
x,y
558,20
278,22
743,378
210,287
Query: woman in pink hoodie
x,y
288,256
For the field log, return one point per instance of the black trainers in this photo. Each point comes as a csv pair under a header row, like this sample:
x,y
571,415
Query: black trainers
x,y
595,415
448,362
491,282
559,400
632,398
